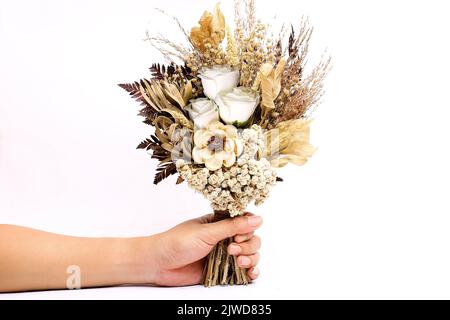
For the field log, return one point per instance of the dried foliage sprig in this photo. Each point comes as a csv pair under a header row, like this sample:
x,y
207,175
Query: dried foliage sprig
x,y
135,91
299,93
165,167
299,101
164,171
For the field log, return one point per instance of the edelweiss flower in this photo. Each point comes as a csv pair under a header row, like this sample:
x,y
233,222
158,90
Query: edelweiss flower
x,y
217,145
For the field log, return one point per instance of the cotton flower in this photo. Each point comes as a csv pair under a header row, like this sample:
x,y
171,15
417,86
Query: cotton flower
x,y
217,145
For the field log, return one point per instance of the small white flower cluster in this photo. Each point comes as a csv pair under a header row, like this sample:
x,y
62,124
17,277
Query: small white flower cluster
x,y
233,189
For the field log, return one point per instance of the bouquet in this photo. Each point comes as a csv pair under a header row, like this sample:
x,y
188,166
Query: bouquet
x,y
231,106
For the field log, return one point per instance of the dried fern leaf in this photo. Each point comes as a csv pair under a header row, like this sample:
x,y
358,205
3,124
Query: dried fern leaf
x,y
165,171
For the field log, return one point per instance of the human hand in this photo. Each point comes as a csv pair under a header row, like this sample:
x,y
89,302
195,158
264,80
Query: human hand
x,y
176,257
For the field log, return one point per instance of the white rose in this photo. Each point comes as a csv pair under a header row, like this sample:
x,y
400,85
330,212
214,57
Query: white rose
x,y
203,111
237,106
218,79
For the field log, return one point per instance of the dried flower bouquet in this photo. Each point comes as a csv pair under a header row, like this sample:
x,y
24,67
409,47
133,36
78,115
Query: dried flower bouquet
x,y
229,108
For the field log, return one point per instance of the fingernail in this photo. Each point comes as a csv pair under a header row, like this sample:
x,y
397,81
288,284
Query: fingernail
x,y
234,249
255,271
254,221
245,261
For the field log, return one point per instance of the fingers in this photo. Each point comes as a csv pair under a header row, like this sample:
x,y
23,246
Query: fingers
x,y
253,273
247,252
248,261
243,237
246,244
227,228
245,248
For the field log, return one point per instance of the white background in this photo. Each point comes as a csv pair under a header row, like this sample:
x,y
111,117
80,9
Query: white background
x,y
367,217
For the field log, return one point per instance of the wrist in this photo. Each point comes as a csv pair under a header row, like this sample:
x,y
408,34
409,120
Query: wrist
x,y
140,260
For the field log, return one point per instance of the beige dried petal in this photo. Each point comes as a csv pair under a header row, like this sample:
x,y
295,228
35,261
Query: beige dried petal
x,y
229,146
196,155
213,163
239,147
229,159
206,154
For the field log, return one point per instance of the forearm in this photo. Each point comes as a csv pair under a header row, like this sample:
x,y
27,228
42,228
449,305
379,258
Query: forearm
x,y
36,260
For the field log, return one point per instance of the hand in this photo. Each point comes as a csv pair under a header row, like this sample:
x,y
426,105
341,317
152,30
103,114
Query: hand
x,y
37,260
177,255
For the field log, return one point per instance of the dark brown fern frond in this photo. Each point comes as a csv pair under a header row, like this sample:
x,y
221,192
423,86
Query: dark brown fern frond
x,y
148,112
145,144
187,72
160,71
163,72
164,171
154,144
134,91
166,167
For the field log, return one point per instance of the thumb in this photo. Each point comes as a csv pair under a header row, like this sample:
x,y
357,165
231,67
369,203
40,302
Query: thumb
x,y
227,228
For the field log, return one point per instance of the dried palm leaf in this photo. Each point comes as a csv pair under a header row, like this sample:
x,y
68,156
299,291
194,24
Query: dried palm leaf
x,y
289,143
172,92
186,91
270,82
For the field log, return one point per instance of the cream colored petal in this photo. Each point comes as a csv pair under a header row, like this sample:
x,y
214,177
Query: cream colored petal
x,y
229,146
238,147
214,163
206,154
218,132
201,138
228,159
197,136
196,155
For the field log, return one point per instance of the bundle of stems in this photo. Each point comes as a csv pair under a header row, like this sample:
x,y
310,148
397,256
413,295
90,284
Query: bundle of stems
x,y
221,268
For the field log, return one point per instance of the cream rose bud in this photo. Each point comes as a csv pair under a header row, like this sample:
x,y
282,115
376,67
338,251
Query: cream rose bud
x,y
203,111
218,79
237,105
